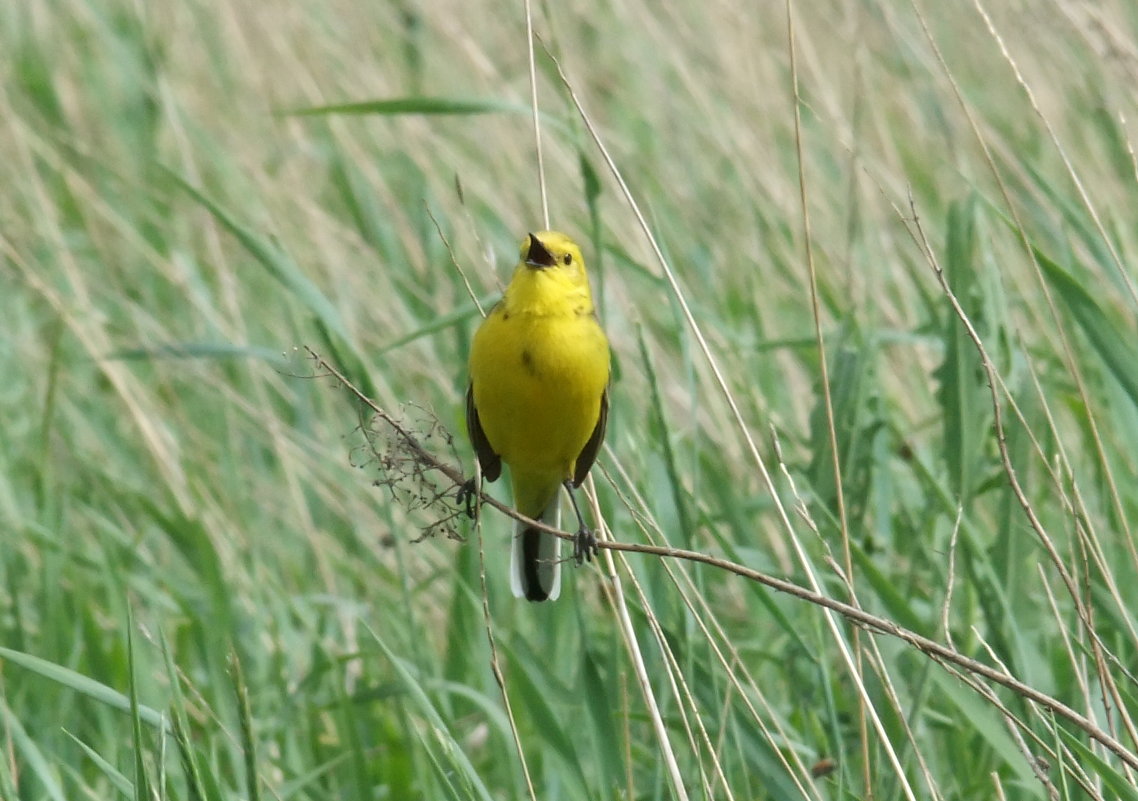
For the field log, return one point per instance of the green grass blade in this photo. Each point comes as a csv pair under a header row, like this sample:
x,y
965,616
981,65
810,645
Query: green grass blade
x,y
675,483
248,740
180,728
219,351
83,685
439,323
37,764
142,788
962,389
121,783
453,754
1120,784
326,317
271,257
415,105
1114,345
985,721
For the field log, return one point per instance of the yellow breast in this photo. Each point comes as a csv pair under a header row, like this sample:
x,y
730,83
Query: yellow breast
x,y
538,382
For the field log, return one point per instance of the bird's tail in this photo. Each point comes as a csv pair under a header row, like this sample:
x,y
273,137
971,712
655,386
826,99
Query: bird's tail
x,y
535,566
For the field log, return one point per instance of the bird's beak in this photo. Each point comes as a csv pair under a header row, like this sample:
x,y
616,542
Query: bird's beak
x,y
538,255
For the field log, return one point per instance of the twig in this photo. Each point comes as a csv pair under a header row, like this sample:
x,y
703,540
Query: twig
x,y
454,261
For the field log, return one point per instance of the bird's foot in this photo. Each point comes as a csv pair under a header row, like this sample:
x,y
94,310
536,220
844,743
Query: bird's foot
x,y
584,546
467,497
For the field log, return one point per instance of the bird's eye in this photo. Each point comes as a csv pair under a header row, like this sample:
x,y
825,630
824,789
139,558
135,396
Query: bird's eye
x,y
568,259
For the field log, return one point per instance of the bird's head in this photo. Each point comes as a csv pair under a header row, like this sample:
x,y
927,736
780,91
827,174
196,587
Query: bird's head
x,y
551,270
552,250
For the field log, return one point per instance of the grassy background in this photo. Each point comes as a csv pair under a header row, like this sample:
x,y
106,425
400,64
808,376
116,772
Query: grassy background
x,y
203,596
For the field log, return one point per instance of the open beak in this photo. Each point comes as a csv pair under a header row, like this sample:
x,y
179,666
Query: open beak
x,y
538,255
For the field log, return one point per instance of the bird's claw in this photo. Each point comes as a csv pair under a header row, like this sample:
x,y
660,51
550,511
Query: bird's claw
x,y
584,546
467,497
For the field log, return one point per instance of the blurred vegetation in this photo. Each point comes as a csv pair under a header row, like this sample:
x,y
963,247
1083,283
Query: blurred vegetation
x,y
203,594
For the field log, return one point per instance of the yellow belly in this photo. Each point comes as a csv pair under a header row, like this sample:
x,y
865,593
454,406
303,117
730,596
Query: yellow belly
x,y
538,382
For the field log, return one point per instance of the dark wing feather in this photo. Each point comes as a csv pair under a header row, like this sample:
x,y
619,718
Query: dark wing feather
x,y
490,461
593,446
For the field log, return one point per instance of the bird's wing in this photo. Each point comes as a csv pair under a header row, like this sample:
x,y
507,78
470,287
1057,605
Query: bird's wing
x,y
490,461
593,446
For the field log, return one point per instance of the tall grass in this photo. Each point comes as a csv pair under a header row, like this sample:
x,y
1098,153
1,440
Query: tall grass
x,y
205,593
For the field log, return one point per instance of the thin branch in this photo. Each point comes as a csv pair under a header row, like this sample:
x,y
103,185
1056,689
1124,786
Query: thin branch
x,y
454,261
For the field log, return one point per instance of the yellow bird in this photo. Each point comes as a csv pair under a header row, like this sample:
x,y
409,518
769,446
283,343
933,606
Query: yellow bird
x,y
538,400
